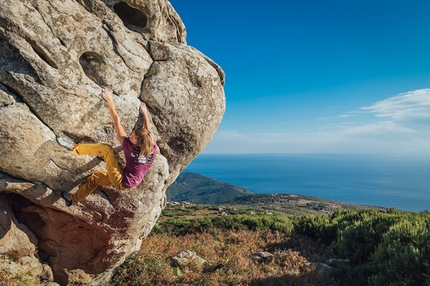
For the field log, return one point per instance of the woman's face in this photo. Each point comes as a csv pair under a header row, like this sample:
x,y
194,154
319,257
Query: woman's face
x,y
133,138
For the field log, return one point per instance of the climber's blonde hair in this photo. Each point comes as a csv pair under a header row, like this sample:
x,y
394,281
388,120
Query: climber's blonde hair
x,y
144,140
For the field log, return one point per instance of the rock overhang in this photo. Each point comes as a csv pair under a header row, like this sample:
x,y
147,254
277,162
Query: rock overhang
x,y
55,58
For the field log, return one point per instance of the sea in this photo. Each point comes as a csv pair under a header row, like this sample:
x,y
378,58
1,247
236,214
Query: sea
x,y
385,180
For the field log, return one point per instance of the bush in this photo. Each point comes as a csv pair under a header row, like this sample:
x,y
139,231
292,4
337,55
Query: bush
x,y
360,232
318,227
384,248
403,256
182,226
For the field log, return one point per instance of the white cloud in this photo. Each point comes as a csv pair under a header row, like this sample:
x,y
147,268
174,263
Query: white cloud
x,y
380,137
413,104
228,134
379,128
347,115
398,132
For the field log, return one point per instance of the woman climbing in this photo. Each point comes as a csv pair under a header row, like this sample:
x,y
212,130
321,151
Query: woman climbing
x,y
140,150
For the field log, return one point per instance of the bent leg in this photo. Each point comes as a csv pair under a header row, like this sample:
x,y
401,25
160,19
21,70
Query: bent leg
x,y
95,180
114,170
96,149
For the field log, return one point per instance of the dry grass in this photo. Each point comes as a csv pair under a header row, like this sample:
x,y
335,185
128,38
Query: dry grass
x,y
232,249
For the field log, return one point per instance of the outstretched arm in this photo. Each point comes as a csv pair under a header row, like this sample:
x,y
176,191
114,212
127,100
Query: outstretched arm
x,y
144,112
120,133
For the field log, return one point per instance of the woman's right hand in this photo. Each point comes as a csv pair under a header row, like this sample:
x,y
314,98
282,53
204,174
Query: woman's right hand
x,y
142,108
106,94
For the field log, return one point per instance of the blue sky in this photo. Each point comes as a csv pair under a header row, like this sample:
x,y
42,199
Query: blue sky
x,y
317,76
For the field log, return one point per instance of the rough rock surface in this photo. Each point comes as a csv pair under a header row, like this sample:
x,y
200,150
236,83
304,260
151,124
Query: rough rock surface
x,y
189,259
55,55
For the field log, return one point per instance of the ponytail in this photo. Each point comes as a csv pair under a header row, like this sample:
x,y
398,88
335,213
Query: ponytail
x,y
144,141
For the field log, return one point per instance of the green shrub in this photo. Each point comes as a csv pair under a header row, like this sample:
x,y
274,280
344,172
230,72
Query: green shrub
x,y
176,212
174,225
182,226
359,233
384,247
318,227
403,256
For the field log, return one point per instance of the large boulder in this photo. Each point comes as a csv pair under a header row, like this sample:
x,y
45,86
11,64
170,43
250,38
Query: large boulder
x,y
55,57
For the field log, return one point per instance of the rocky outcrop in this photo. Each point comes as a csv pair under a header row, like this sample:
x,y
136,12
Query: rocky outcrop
x,y
55,57
188,259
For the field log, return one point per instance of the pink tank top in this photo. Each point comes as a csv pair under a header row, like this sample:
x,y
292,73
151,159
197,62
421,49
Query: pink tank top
x,y
135,166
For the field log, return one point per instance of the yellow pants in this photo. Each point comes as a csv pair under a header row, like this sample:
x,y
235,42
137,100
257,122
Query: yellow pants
x,y
111,177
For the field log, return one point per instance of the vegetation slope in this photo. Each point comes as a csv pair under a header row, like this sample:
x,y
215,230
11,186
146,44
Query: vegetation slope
x,y
311,242
348,247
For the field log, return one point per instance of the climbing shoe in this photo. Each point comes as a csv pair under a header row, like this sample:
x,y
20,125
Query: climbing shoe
x,y
69,145
66,197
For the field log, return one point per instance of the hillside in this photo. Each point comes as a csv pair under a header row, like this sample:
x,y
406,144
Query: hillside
x,y
218,245
277,239
198,189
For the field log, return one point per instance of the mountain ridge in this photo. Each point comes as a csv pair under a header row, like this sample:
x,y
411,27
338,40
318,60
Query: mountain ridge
x,y
199,189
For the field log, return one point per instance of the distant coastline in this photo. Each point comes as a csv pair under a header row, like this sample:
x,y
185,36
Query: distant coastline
x,y
386,180
198,189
